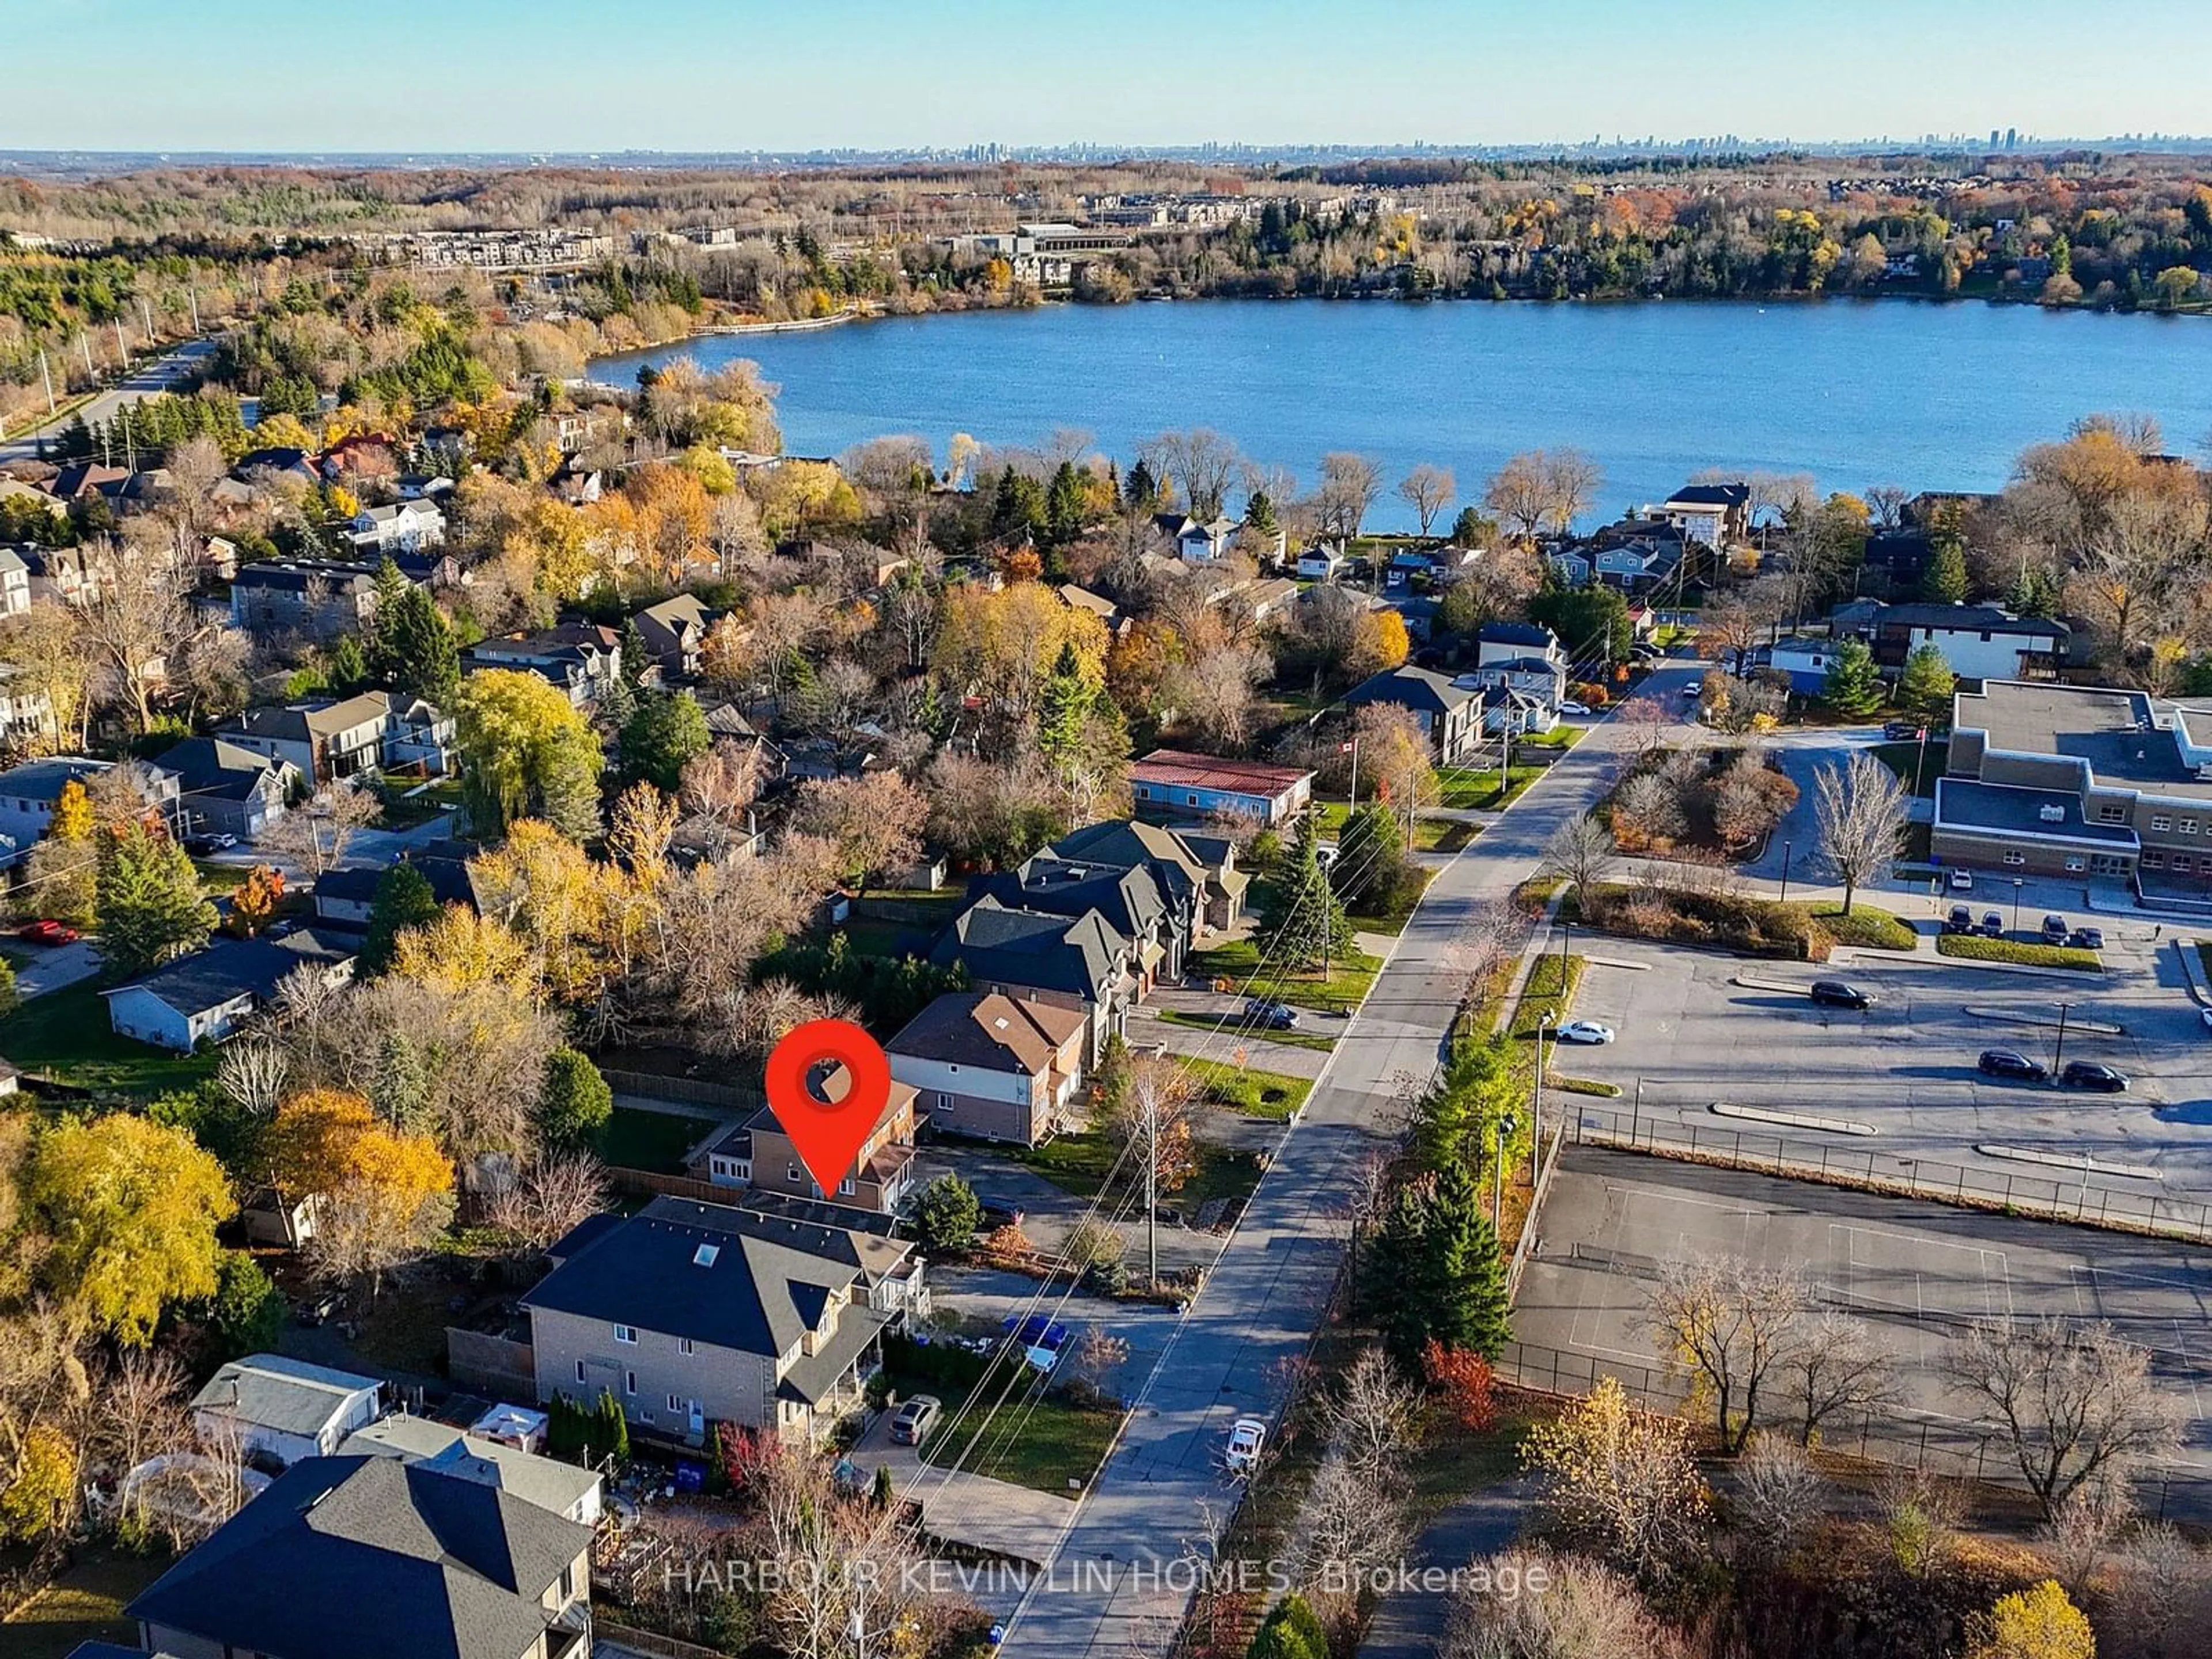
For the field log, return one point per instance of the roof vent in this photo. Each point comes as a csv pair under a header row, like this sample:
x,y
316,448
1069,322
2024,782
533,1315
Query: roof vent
x,y
1000,1022
705,1254
2053,813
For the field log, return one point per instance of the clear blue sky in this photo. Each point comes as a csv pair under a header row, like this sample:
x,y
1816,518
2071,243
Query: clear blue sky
x,y
410,75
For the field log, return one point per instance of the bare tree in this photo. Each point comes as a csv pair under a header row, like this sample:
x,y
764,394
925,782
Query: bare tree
x,y
1519,492
1860,809
1887,503
1779,1496
141,618
1428,489
1650,719
1570,484
1201,463
317,832
1649,808
2082,1532
253,1073
1836,1365
719,787
2077,1404
1560,1607
550,1194
1734,1319
1349,485
1372,1415
2162,1585
1581,852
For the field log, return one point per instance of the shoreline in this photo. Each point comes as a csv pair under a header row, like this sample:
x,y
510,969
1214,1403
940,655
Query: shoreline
x,y
1065,302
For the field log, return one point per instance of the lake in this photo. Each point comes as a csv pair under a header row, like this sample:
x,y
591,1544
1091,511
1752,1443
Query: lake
x,y
1926,395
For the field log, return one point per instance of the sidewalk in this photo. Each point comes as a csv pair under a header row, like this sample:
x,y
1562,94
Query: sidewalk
x,y
1411,1624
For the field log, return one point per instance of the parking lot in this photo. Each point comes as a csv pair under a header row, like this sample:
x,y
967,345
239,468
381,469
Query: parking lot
x,y
1918,1271
1696,1028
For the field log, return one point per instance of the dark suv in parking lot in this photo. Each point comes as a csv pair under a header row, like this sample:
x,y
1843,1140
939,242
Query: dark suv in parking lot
x,y
2088,1074
2009,1062
1835,994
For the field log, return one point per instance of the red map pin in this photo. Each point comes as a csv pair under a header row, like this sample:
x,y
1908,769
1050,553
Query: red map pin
x,y
829,1132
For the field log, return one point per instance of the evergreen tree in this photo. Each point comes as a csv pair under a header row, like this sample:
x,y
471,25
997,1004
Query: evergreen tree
x,y
399,1088
417,650
1470,1310
667,730
1291,1630
347,667
1854,684
390,585
1401,1290
1302,922
636,656
1924,687
402,900
1260,514
575,1105
1063,709
1140,491
1944,582
151,908
1370,858
245,1315
614,1427
1064,505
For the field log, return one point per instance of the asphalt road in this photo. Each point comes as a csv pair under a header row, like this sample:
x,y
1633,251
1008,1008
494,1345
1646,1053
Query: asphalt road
x,y
1917,1272
147,380
1161,1495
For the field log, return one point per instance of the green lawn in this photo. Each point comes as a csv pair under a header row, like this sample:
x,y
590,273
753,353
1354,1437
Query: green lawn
x,y
1247,1090
1550,990
1867,927
85,1604
1040,1442
2025,952
1344,989
1903,758
1234,1023
1467,786
654,1141
65,1035
1396,921
1079,1164
1559,737
1441,835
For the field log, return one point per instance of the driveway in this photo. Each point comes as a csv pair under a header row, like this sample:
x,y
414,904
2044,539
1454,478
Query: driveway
x,y
56,966
971,1509
1147,1029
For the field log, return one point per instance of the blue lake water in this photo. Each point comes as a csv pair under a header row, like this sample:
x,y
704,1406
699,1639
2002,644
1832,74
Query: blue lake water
x,y
1856,392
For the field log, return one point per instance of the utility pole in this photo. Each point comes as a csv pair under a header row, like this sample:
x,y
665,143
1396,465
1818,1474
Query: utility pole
x,y
1354,806
146,310
47,375
192,294
85,340
2057,1053
121,348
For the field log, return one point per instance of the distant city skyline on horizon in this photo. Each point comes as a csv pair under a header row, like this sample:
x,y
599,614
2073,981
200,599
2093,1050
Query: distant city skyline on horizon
x,y
246,78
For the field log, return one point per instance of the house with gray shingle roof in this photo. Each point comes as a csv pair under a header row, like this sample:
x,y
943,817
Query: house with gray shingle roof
x,y
372,1558
693,1313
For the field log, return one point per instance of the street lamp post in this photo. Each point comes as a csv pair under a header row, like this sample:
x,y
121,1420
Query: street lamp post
x,y
1506,1125
2059,1053
1786,847
2017,884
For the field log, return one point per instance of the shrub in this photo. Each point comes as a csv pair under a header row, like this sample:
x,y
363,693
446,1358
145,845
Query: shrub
x,y
2021,951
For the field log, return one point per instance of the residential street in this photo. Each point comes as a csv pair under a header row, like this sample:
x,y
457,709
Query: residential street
x,y
1162,1494
146,380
